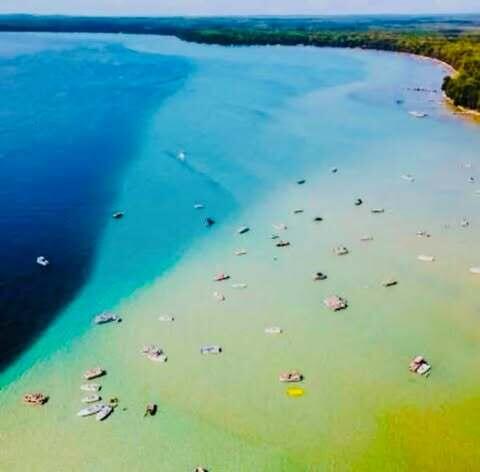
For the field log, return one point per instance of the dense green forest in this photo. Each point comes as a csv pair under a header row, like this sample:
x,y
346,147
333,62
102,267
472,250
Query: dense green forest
x,y
454,39
460,51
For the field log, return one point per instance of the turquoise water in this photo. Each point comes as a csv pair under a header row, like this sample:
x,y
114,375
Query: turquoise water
x,y
252,121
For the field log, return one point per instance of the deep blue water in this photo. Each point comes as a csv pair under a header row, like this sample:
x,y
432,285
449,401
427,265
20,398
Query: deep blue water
x,y
70,119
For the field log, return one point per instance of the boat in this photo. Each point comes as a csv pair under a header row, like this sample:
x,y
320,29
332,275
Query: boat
x,y
154,353
104,412
221,277
366,238
317,219
151,409
36,399
90,410
106,317
91,387
240,285
282,244
243,230
166,318
290,376
419,365
297,211
240,252
200,469
280,227
91,398
198,206
408,177
340,251
117,215
181,156
358,202
335,303
43,261
219,296
334,170
209,222
418,114
94,373
475,270
273,330
319,276
274,236
425,258
389,283
423,234
377,211
211,349
471,180
301,181
465,223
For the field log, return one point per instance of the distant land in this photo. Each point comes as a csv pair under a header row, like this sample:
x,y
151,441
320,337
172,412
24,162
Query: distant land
x,y
454,39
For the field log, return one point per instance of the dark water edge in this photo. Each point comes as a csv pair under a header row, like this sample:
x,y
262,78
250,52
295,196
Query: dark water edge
x,y
69,123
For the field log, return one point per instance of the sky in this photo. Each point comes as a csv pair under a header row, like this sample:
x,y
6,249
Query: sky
x,y
238,7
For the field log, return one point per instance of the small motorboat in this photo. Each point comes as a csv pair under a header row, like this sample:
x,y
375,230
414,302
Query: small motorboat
x,y
154,353
408,177
290,376
475,270
211,349
209,222
91,387
240,252
240,285
418,114
423,234
389,283
151,409
118,215
319,276
377,211
366,238
471,180
104,412
317,219
91,398
419,365
106,317
200,469
280,227
358,202
335,303
166,318
301,181
274,236
282,243
181,156
334,170
340,251
198,206
243,230
90,410
297,211
43,261
425,258
221,277
465,223
94,373
37,399
219,296
273,330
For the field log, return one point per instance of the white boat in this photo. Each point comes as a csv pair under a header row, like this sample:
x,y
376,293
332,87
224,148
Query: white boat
x,y
91,398
154,353
94,373
475,270
273,330
43,261
106,317
418,114
219,296
243,230
425,258
366,238
91,387
90,410
211,349
241,252
408,177
340,251
280,227
198,206
239,285
104,412
166,318
181,156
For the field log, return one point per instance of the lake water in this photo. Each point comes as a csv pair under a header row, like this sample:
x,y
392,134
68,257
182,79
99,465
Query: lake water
x,y
95,124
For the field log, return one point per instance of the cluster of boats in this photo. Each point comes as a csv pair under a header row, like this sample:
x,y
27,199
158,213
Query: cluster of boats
x,y
100,410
